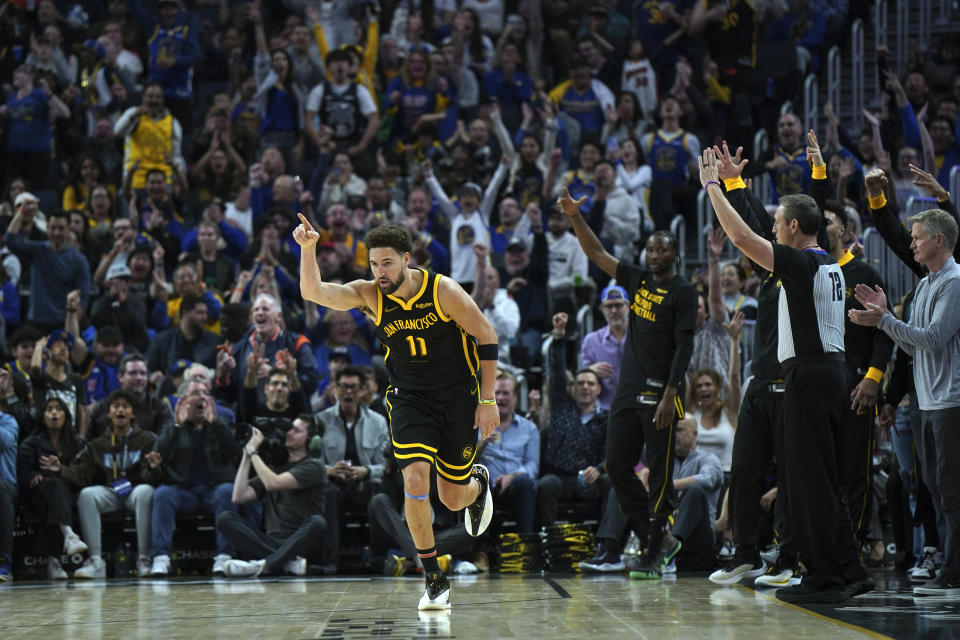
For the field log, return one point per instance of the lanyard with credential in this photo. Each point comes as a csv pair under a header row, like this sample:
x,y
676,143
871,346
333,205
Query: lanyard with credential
x,y
123,467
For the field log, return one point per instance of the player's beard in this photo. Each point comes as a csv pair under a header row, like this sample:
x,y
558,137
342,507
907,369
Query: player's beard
x,y
392,288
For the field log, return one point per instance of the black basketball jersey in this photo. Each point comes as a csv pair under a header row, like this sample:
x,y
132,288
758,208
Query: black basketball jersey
x,y
732,40
425,348
341,112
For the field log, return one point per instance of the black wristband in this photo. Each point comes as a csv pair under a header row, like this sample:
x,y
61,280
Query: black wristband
x,y
488,352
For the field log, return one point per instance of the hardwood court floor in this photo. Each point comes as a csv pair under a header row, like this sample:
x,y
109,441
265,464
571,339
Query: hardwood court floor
x,y
483,607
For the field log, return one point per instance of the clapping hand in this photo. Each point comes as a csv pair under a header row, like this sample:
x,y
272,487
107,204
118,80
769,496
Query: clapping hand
x,y
874,302
154,459
50,463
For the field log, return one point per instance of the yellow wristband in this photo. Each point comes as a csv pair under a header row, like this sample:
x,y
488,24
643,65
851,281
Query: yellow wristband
x,y
878,202
485,402
819,172
874,374
732,184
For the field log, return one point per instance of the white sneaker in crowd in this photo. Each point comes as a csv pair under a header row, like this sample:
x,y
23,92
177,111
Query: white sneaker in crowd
x,y
161,566
296,566
93,567
55,570
243,568
219,564
144,564
73,544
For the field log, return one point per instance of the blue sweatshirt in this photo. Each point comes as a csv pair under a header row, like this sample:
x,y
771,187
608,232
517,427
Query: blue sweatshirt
x,y
8,449
53,274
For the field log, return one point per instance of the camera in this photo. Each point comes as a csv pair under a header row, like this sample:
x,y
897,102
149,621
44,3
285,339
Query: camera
x,y
273,449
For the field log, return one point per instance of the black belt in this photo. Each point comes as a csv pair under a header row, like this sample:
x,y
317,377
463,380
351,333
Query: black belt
x,y
820,358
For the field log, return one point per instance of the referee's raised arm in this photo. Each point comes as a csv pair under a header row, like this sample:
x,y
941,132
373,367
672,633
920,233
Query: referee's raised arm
x,y
588,239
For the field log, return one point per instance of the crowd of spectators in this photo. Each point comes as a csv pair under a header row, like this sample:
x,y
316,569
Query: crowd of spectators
x,y
157,156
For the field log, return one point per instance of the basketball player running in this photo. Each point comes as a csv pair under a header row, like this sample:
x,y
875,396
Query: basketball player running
x,y
646,407
429,325
810,349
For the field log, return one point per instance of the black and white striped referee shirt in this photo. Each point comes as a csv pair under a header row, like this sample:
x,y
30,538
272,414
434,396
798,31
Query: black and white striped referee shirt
x,y
811,306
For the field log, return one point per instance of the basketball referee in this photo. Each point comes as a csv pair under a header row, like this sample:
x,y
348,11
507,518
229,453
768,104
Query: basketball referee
x,y
430,327
647,404
810,350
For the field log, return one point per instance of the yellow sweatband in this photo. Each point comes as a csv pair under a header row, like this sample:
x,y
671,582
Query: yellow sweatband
x,y
732,184
874,374
878,202
820,172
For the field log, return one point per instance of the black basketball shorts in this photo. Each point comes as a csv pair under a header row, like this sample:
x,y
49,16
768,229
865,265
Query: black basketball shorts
x,y
437,426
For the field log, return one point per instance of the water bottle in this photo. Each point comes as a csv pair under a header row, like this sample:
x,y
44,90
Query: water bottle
x,y
581,480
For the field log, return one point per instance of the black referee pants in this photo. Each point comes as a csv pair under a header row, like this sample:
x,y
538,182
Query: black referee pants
x,y
856,465
816,390
628,431
759,437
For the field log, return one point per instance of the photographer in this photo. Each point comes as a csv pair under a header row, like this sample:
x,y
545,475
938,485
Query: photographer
x,y
115,473
198,452
294,502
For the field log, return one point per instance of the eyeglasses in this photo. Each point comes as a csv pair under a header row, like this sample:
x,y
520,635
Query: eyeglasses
x,y
348,387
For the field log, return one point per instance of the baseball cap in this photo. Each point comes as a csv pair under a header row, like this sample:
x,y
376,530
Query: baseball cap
x,y
179,366
61,334
516,243
109,335
471,186
340,352
332,246
118,270
24,197
613,292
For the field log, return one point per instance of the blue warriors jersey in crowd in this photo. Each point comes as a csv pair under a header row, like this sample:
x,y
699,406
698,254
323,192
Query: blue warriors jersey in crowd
x,y
179,44
795,177
669,154
426,349
586,108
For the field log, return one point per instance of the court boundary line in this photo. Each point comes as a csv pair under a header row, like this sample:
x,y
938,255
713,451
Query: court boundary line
x,y
847,625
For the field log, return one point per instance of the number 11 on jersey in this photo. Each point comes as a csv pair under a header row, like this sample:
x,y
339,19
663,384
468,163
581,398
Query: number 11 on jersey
x,y
414,343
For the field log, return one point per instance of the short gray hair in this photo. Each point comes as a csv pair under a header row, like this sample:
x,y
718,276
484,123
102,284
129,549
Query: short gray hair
x,y
936,221
274,303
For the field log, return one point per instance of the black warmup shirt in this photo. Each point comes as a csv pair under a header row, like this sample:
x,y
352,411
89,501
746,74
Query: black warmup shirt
x,y
865,346
662,321
811,306
765,365
425,349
